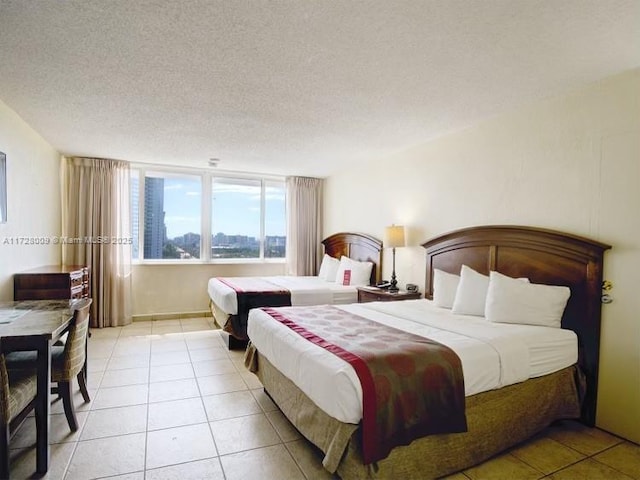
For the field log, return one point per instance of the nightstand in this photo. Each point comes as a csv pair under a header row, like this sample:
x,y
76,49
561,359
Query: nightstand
x,y
373,294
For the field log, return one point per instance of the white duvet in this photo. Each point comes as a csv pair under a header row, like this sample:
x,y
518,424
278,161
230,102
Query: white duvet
x,y
304,291
493,355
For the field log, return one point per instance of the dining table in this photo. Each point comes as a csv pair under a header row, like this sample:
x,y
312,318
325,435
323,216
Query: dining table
x,y
34,325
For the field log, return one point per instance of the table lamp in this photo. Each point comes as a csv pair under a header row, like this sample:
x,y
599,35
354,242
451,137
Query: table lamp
x,y
394,237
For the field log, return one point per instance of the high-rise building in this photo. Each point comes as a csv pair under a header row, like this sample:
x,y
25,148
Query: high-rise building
x,y
154,228
135,215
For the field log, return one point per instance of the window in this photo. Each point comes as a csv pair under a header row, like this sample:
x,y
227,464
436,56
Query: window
x,y
135,219
184,216
274,220
172,225
235,218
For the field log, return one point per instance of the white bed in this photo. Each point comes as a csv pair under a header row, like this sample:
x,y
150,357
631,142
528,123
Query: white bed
x,y
303,290
493,355
552,381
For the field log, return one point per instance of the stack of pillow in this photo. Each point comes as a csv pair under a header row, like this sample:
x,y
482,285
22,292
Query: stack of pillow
x,y
500,298
345,271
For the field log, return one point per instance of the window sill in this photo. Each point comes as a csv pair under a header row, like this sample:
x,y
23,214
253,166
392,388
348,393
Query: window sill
x,y
218,261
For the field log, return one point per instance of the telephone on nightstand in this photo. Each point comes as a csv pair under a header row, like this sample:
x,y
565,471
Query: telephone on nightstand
x,y
412,287
383,285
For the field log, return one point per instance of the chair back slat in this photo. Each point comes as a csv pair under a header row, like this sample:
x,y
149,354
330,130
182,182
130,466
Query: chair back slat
x,y
75,346
4,392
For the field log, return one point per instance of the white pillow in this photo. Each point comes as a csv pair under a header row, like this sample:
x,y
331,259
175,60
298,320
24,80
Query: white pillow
x,y
329,268
444,288
471,293
359,272
512,301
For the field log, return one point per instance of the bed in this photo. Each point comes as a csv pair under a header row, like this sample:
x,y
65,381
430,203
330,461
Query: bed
x,y
230,307
496,418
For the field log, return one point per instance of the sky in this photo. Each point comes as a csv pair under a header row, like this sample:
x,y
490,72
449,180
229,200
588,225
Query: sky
x,y
235,211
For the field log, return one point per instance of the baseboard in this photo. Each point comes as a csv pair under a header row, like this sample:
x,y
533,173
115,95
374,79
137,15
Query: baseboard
x,y
170,316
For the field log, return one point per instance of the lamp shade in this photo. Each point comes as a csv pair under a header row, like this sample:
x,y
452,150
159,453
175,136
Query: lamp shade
x,y
394,236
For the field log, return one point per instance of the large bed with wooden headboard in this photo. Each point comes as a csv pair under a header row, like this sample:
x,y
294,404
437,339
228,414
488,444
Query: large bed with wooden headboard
x,y
496,418
230,306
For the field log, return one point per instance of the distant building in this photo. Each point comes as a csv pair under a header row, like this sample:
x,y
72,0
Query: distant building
x,y
219,239
191,238
276,240
154,227
275,246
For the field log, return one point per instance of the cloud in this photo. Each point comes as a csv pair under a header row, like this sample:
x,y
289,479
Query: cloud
x,y
253,191
180,219
230,188
174,186
275,196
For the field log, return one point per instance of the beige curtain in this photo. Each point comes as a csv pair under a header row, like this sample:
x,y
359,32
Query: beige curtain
x,y
304,225
3,187
96,215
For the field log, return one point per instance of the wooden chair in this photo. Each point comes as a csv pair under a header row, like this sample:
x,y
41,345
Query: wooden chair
x,y
17,398
67,361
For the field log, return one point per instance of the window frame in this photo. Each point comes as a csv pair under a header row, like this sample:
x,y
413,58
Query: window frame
x,y
206,182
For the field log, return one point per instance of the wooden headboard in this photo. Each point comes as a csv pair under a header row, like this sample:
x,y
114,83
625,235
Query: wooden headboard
x,y
356,246
543,256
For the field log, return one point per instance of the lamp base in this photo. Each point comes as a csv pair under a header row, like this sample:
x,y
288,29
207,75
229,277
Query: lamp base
x,y
393,288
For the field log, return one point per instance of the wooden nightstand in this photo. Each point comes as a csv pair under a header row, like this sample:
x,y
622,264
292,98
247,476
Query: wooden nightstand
x,y
373,294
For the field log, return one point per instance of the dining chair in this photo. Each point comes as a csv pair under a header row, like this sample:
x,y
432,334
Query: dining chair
x,y
67,361
17,399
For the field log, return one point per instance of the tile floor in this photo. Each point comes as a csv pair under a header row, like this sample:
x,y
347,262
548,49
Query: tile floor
x,y
170,402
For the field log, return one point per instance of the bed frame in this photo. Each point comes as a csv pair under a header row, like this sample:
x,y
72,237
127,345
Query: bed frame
x,y
359,247
543,256
356,246
497,419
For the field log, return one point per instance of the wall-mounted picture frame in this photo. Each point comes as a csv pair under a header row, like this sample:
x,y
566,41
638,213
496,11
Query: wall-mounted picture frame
x,y
3,188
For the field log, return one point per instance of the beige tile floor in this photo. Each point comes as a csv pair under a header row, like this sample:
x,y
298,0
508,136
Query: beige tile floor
x,y
170,402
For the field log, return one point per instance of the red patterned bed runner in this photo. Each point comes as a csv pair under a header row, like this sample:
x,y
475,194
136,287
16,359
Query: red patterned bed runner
x,y
412,386
253,292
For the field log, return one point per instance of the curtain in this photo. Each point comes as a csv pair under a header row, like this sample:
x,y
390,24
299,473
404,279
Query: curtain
x,y
96,231
3,187
304,225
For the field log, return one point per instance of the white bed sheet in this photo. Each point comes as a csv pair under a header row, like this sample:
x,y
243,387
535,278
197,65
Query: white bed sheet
x,y
492,355
304,291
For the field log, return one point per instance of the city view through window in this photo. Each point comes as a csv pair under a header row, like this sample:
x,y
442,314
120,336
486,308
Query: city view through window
x,y
240,210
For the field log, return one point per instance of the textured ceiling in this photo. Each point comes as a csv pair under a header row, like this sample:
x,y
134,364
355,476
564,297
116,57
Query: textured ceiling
x,y
293,87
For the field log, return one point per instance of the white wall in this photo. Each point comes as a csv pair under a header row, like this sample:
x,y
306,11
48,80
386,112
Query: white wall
x,y
174,288
570,164
33,199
